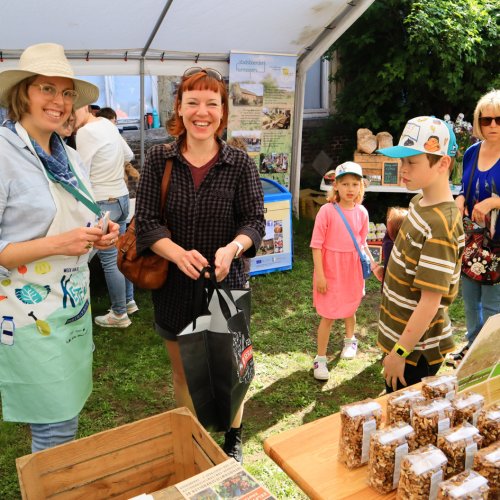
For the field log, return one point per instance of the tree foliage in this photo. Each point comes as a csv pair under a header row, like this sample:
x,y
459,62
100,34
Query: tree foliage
x,y
406,58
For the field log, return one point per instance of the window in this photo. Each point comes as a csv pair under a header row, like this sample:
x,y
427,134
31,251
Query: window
x,y
122,93
316,91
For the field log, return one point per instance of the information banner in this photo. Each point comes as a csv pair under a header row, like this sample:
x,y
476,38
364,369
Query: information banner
x,y
261,101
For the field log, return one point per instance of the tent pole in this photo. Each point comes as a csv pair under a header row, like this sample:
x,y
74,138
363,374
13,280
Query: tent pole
x,y
142,112
298,116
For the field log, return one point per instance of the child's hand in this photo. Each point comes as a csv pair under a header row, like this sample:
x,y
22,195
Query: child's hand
x,y
394,369
321,285
378,271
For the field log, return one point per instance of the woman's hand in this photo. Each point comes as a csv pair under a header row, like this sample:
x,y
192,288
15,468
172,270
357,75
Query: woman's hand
x,y
460,203
76,242
481,210
223,260
108,240
394,369
191,262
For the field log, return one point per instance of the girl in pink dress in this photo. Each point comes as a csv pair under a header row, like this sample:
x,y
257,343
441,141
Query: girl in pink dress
x,y
338,284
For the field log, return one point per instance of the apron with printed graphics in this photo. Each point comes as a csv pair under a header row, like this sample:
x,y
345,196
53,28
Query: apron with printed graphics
x,y
46,327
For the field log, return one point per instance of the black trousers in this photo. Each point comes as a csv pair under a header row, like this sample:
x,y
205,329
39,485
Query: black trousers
x,y
414,374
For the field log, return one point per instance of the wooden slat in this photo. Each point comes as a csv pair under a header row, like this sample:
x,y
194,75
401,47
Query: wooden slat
x,y
100,466
206,443
143,478
183,447
28,468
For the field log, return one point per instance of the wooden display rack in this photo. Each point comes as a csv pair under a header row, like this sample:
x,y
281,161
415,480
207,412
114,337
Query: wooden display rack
x,y
141,457
379,165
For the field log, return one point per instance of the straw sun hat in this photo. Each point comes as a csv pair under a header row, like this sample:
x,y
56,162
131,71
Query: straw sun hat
x,y
46,59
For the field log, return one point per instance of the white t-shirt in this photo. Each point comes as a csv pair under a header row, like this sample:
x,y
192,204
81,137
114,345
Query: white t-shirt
x,y
104,152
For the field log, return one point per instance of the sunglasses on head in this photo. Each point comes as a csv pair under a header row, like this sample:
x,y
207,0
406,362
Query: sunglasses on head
x,y
485,121
208,71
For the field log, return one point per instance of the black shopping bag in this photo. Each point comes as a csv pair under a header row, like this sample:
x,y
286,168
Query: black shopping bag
x,y
217,354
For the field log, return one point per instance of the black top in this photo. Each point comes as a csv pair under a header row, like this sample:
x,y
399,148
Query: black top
x,y
229,201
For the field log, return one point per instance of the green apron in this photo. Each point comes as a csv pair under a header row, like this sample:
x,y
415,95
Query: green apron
x,y
46,327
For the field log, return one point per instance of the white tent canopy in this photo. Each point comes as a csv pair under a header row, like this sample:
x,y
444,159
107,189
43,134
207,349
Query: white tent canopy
x,y
164,37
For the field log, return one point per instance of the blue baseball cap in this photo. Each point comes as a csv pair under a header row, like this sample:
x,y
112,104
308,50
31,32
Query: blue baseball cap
x,y
424,134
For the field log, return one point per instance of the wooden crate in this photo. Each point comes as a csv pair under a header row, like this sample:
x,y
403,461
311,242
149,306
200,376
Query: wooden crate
x,y
372,164
136,458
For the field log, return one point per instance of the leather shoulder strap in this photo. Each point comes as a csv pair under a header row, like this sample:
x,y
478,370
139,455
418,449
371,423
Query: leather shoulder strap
x,y
165,182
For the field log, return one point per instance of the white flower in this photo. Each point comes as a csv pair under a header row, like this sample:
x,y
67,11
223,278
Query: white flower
x,y
477,268
447,118
485,253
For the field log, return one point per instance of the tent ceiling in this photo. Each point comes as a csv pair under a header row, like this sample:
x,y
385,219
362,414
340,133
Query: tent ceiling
x,y
188,30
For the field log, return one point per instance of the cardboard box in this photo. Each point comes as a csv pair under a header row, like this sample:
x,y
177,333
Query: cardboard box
x,y
141,457
310,201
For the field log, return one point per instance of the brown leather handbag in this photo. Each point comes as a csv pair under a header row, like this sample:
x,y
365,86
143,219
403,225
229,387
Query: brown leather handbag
x,y
148,270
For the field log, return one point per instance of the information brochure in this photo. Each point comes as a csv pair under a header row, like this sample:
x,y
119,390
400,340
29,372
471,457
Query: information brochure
x,y
482,360
226,480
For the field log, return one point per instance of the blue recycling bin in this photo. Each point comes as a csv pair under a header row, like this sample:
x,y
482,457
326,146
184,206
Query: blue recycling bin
x,y
276,250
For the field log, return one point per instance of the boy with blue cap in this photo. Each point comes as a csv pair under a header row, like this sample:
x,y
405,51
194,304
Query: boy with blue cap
x,y
423,273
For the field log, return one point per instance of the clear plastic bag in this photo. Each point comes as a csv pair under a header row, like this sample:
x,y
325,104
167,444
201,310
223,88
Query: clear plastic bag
x,y
467,485
399,405
432,418
440,386
467,407
488,423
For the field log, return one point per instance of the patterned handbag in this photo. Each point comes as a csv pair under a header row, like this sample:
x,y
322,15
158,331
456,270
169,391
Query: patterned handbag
x,y
481,257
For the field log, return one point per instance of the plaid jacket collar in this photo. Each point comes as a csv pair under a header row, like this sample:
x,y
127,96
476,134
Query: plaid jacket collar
x,y
226,153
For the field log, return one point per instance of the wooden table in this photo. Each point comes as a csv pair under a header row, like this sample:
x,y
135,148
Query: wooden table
x,y
308,454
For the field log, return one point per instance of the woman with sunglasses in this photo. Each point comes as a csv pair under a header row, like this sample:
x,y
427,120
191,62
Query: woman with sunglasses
x,y
482,205
214,213
47,229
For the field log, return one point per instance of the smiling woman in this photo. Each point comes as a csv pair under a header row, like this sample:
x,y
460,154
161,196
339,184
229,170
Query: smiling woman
x,y
214,209
46,216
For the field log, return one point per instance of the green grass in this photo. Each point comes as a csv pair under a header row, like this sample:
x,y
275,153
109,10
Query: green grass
x,y
132,377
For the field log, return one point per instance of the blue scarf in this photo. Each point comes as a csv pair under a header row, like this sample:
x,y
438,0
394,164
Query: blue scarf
x,y
56,164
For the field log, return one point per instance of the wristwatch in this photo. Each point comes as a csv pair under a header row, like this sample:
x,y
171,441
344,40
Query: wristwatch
x,y
400,350
240,248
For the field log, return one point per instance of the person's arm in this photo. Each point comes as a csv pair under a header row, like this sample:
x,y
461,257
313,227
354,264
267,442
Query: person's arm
x,y
128,154
427,307
319,273
483,208
75,242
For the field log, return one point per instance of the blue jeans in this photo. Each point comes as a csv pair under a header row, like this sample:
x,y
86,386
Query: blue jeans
x,y
48,435
481,302
120,289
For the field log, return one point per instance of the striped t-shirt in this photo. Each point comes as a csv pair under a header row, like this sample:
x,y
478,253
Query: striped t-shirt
x,y
426,256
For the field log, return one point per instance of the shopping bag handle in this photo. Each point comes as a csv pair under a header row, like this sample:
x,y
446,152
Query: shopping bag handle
x,y
202,295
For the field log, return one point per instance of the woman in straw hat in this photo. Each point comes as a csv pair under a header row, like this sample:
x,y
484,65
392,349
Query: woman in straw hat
x,y
48,226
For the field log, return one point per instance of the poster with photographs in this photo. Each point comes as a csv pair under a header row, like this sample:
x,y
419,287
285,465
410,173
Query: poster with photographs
x,y
261,97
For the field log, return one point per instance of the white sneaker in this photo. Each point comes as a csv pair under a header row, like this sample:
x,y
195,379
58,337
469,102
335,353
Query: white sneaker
x,y
112,320
350,348
320,369
132,307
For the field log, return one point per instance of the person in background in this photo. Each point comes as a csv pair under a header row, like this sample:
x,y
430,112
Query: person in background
x,y
423,273
94,108
338,283
104,152
48,226
215,214
483,207
67,129
395,217
108,113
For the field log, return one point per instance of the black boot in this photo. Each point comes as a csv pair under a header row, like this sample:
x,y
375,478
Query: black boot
x,y
233,446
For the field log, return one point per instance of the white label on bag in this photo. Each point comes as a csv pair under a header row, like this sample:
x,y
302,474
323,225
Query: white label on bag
x,y
470,451
368,429
436,478
471,486
443,425
401,451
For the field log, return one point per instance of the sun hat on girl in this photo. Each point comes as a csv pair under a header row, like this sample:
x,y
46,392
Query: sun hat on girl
x,y
47,59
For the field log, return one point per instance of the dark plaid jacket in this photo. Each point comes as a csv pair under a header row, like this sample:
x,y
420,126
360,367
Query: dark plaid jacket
x,y
229,202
